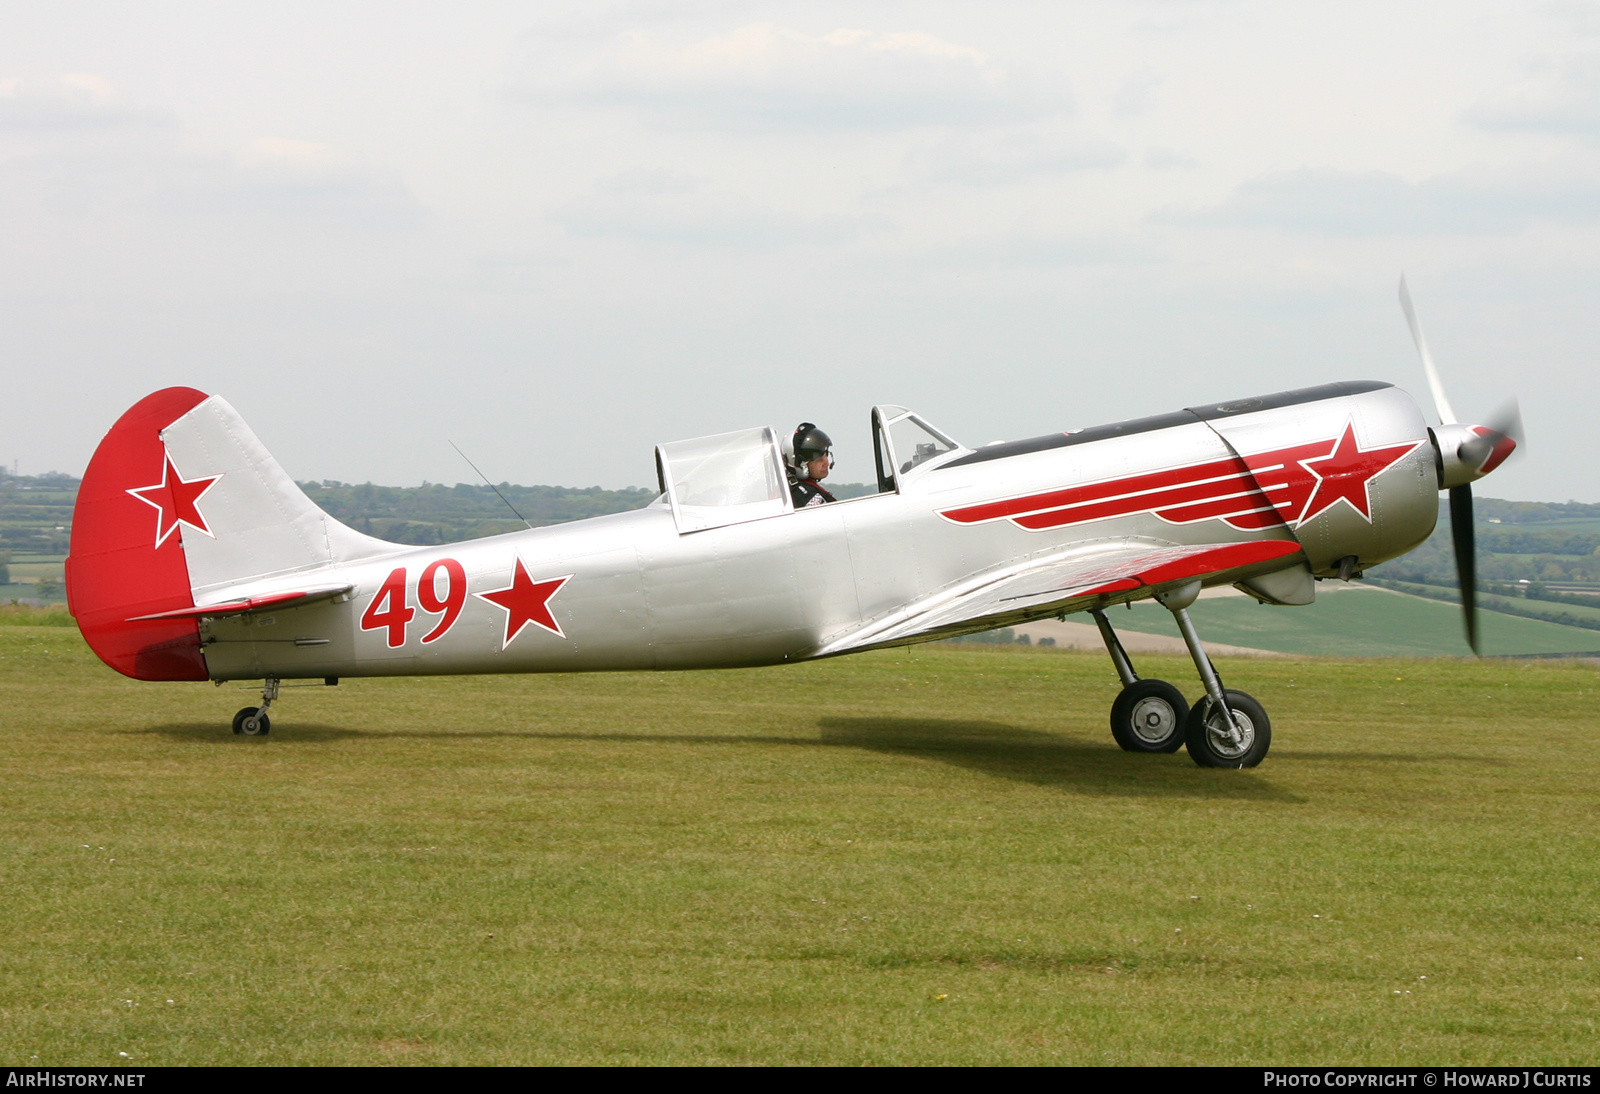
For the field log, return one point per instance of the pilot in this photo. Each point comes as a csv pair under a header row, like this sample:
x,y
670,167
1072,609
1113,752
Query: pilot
x,y
811,462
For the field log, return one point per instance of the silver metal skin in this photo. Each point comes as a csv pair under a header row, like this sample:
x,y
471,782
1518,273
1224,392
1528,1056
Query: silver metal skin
x,y
721,571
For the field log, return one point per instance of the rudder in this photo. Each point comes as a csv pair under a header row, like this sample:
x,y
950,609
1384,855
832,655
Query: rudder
x,y
124,560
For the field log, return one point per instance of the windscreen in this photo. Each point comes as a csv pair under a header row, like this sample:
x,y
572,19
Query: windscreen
x,y
916,443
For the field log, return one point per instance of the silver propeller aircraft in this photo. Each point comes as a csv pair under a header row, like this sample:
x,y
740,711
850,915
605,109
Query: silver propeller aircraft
x,y
194,556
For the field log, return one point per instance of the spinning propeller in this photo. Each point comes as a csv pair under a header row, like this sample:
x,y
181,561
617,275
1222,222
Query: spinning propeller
x,y
1464,453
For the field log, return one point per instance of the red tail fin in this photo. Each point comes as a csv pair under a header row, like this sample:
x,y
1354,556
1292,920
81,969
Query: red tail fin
x,y
125,560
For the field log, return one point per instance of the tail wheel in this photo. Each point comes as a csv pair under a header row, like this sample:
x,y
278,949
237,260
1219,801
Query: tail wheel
x,y
1149,716
252,723
1212,742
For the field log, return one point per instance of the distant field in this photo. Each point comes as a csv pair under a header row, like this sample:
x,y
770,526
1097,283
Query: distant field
x,y
914,857
1360,621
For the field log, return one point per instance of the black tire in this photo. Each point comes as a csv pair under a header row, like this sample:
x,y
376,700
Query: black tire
x,y
1149,716
1211,746
252,723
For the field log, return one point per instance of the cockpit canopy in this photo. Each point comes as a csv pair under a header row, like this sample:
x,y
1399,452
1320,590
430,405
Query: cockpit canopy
x,y
728,478
731,478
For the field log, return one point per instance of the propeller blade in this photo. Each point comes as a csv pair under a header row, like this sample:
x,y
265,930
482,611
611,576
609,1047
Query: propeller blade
x,y
1462,533
1440,403
1507,421
1504,434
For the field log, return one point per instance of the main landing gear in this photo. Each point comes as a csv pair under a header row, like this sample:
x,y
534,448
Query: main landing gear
x,y
1222,729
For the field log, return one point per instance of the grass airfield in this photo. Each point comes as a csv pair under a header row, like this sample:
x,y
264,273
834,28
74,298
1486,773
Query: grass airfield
x,y
926,856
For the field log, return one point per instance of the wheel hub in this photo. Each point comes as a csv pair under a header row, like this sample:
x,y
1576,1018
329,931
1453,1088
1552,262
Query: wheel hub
x,y
1154,719
1235,744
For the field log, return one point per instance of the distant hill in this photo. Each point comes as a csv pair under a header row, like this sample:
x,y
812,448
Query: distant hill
x,y
36,512
1535,559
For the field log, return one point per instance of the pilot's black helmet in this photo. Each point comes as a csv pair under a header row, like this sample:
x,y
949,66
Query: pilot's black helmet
x,y
810,443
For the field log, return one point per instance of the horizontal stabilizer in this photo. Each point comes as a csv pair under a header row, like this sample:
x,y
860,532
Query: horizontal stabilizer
x,y
1076,582
293,599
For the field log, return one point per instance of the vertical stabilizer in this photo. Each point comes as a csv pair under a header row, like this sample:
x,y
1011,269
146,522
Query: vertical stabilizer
x,y
181,502
257,523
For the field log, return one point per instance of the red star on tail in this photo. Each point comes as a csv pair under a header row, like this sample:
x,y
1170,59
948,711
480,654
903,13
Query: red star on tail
x,y
526,601
176,500
1347,472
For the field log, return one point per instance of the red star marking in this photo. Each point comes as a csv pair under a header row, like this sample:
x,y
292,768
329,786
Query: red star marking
x,y
526,601
176,500
1347,472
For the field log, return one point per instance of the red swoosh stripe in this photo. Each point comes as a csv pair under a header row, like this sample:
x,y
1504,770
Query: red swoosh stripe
x,y
1217,488
1265,490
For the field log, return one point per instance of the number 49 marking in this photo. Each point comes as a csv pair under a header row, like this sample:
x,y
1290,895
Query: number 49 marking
x,y
389,610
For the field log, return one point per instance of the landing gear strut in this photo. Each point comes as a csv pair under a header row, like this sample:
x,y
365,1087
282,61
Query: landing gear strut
x,y
1224,728
1148,715
253,721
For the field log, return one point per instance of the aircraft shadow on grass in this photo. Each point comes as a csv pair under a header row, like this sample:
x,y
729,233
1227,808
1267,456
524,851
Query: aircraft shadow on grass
x,y
1044,759
991,748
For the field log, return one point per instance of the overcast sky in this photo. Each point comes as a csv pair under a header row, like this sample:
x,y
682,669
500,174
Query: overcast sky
x,y
559,234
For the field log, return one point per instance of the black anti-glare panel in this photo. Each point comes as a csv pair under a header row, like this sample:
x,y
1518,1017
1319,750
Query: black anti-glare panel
x,y
1082,436
1286,398
1167,421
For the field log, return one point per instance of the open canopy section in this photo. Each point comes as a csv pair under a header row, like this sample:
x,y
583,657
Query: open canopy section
x,y
724,479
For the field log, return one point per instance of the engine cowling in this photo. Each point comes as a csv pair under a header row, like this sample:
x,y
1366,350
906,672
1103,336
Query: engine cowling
x,y
1353,476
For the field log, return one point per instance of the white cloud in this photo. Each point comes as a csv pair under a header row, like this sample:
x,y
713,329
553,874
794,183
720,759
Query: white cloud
x,y
1376,203
83,172
1134,96
669,208
1564,100
284,149
1042,250
1011,155
76,101
764,77
96,87
1167,159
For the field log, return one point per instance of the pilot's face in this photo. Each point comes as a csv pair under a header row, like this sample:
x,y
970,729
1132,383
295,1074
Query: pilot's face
x,y
817,469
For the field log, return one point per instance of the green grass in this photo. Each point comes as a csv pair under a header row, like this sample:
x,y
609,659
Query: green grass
x,y
912,857
1360,621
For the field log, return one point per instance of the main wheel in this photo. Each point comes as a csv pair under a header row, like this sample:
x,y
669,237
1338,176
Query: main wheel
x,y
252,723
1212,745
1149,716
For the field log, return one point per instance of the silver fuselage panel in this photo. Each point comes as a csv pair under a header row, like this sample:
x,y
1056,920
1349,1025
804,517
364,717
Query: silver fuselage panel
x,y
665,589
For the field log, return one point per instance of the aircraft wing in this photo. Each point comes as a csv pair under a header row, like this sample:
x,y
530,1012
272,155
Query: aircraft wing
x,y
1074,582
